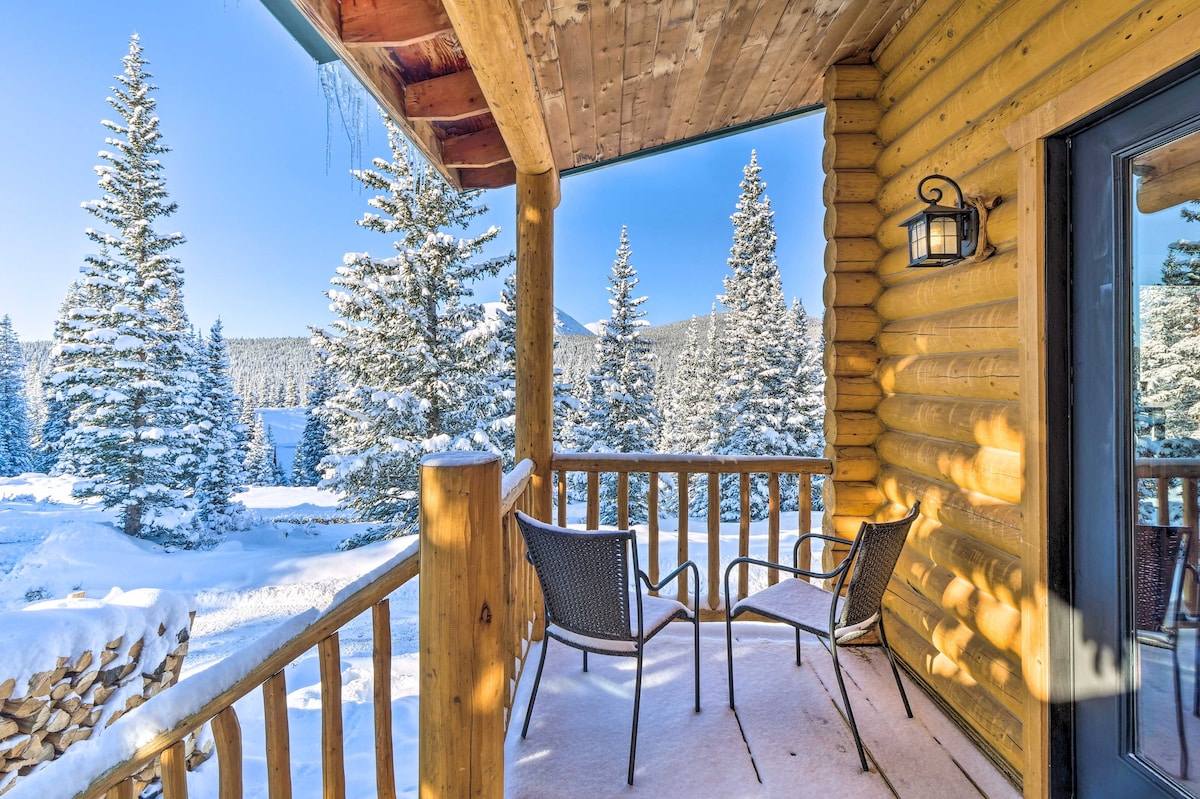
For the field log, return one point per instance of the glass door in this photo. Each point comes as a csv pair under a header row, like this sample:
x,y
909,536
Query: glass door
x,y
1134,287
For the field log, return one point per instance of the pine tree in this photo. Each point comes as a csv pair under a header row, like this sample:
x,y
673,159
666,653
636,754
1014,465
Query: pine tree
x,y
806,402
220,468
503,413
16,453
617,411
261,465
313,446
753,407
122,363
410,353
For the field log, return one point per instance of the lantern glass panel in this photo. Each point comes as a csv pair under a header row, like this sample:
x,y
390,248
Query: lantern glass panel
x,y
943,236
918,246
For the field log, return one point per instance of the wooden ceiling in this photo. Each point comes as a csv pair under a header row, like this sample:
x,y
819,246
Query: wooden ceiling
x,y
612,78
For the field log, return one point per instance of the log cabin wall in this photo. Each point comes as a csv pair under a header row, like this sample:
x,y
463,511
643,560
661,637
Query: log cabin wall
x,y
923,367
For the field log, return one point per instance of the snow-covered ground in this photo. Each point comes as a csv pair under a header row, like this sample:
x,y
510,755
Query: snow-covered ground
x,y
285,564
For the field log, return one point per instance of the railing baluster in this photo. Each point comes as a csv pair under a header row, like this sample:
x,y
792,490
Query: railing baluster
x,y
1163,486
743,532
593,500
562,498
806,519
773,526
227,736
623,500
381,660
122,790
681,546
333,767
279,748
652,527
173,765
714,540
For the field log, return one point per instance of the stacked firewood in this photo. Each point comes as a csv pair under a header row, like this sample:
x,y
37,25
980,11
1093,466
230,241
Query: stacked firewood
x,y
85,692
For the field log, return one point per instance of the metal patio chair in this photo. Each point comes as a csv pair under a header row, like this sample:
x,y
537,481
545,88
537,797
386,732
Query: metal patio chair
x,y
1160,567
592,587
840,620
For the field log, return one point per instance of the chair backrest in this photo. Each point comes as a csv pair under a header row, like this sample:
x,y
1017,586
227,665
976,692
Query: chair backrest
x,y
1159,553
875,551
585,577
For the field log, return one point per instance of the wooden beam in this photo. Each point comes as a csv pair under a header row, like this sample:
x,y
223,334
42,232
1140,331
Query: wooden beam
x,y
492,38
480,149
392,23
491,177
462,627
445,99
537,197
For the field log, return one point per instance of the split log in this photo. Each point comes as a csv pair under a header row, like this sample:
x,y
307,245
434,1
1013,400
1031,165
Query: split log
x,y
17,746
987,519
989,424
82,682
34,722
22,708
993,472
6,688
8,728
61,741
985,376
58,720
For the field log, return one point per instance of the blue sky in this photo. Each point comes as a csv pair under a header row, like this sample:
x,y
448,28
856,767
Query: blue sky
x,y
267,221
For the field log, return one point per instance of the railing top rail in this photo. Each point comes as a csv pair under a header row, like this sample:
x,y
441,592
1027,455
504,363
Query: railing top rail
x,y
661,462
1167,467
514,484
168,717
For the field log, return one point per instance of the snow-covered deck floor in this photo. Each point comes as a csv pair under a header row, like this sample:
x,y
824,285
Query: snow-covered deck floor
x,y
796,741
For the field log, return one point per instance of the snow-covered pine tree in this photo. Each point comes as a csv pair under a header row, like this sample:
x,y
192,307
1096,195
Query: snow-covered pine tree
x,y
1169,351
123,366
261,465
503,414
313,446
753,406
220,467
16,454
412,358
806,400
617,411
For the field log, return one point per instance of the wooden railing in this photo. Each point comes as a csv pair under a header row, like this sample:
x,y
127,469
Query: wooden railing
x,y
1161,473
684,467
210,696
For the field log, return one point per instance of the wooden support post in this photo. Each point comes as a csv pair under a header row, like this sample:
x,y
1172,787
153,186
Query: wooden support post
x,y
122,790
381,659
227,734
714,540
773,526
279,749
537,197
681,546
652,528
462,651
333,759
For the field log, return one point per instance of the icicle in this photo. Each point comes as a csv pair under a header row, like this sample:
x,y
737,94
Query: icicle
x,y
345,95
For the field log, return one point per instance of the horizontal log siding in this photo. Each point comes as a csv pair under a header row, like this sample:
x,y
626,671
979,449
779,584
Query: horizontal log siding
x,y
946,426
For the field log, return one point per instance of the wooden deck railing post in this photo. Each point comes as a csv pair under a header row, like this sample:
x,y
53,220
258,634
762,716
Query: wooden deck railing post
x,y
537,197
462,606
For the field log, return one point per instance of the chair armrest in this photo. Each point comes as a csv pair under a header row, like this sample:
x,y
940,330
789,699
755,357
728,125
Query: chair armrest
x,y
663,582
803,538
789,569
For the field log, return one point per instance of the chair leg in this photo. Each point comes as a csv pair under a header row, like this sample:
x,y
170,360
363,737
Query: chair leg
x,y
696,623
585,660
798,663
895,671
729,652
536,680
837,669
637,701
1196,675
1183,752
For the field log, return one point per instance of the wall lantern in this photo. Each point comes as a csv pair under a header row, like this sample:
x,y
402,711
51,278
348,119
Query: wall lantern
x,y
940,235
